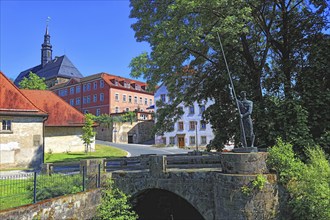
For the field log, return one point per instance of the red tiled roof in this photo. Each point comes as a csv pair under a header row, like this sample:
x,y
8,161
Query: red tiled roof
x,y
60,112
13,101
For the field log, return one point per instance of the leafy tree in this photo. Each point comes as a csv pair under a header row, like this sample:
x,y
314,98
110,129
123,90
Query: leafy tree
x,y
308,184
264,42
88,132
129,117
114,205
33,81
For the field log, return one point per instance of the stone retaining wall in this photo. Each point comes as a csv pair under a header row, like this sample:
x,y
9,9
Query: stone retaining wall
x,y
77,206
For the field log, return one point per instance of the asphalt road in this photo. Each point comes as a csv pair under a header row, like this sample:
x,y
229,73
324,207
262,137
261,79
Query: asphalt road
x,y
138,149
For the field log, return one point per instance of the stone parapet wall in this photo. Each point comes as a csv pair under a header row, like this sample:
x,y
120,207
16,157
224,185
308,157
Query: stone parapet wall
x,y
75,207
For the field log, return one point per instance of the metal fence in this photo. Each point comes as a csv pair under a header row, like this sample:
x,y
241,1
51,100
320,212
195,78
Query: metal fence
x,y
22,189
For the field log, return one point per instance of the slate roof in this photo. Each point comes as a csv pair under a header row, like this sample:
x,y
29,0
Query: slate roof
x,y
60,112
58,67
14,102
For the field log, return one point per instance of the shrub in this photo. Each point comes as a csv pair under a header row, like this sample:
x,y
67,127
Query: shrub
x,y
114,205
56,185
308,184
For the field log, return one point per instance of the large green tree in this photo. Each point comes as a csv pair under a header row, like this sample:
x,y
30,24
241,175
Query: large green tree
x,y
33,81
265,43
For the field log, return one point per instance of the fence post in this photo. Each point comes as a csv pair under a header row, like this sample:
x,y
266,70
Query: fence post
x,y
34,187
83,179
99,177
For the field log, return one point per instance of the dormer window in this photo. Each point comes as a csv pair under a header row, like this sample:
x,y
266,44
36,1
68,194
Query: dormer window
x,y
116,82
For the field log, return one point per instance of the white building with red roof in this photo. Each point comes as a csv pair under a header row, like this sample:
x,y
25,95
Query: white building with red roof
x,y
21,128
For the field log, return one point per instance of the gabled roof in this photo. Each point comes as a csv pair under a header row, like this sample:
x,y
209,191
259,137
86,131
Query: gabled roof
x,y
60,112
58,67
14,102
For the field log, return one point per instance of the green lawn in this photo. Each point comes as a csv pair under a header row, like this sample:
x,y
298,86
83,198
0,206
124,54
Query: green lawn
x,y
101,151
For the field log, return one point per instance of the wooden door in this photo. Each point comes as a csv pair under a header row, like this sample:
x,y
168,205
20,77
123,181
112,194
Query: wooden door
x,y
181,142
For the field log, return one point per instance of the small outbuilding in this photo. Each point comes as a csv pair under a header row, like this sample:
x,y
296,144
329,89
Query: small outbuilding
x,y
63,127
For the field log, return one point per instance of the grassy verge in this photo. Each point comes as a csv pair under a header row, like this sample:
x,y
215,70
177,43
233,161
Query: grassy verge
x,y
101,151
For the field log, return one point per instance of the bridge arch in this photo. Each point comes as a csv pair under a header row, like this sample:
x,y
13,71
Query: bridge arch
x,y
162,204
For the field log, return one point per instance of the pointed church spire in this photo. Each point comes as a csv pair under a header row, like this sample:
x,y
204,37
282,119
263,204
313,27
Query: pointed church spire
x,y
46,48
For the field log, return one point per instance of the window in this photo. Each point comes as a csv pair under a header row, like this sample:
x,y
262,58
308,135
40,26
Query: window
x,y
95,85
84,100
85,111
101,97
192,125
117,97
88,86
163,97
72,102
201,109
130,99
191,110
150,102
203,139
101,83
116,109
180,125
84,87
203,125
127,109
145,101
95,98
192,140
98,112
137,87
135,99
77,101
89,99
78,89
72,90
63,92
141,100
6,125
172,140
116,82
124,98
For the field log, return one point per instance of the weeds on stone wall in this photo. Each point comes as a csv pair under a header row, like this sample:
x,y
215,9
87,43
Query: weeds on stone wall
x,y
257,184
114,205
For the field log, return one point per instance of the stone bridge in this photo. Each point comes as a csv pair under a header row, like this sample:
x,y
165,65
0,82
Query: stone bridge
x,y
212,187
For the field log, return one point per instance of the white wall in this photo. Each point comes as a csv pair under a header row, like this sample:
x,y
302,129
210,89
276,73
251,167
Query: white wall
x,y
186,118
65,139
22,146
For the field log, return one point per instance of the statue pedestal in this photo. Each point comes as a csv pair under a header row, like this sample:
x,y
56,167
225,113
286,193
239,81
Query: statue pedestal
x,y
244,163
245,150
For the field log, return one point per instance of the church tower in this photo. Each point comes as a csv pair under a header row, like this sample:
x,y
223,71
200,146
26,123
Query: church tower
x,y
46,49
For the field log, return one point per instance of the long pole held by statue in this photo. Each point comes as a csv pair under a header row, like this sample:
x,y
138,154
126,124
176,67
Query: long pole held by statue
x,y
234,93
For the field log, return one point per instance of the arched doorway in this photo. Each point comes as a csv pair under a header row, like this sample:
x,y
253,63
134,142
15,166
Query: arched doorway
x,y
158,204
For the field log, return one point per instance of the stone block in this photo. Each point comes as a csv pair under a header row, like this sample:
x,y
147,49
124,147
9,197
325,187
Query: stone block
x,y
244,163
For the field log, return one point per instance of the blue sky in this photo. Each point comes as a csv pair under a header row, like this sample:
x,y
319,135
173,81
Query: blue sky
x,y
95,35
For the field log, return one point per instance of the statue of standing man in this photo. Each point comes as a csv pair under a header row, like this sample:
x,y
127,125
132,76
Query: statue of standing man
x,y
245,110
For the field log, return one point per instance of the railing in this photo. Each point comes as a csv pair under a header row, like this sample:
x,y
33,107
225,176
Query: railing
x,y
172,161
23,189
